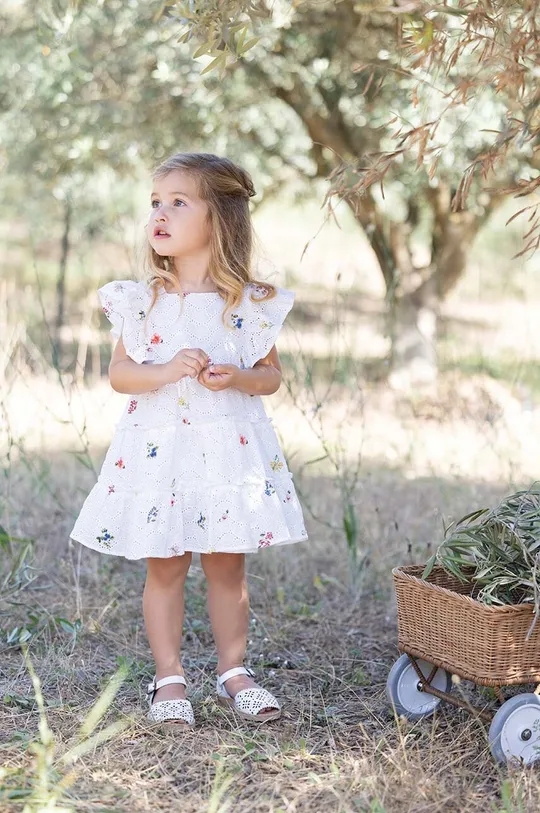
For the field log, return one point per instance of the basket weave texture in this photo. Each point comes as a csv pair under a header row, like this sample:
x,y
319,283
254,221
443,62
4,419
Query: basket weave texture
x,y
440,621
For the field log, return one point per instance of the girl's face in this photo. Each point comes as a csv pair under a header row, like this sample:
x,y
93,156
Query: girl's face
x,y
177,211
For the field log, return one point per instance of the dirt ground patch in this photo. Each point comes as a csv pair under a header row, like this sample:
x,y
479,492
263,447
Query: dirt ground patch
x,y
323,636
324,647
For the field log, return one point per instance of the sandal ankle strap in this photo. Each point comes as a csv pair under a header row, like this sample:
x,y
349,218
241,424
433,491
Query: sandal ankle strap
x,y
155,685
237,670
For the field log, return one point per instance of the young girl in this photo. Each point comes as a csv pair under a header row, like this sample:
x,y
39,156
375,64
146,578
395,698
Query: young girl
x,y
195,464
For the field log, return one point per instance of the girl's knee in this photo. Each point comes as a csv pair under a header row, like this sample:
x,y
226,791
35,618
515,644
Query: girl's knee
x,y
223,566
170,569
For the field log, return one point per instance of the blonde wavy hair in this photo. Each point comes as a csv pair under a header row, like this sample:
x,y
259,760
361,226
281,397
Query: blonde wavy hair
x,y
226,188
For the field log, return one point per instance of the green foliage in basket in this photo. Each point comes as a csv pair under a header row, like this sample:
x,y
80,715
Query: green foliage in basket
x,y
497,550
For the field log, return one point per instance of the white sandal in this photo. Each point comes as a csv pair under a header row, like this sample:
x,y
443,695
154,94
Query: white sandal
x,y
169,711
247,702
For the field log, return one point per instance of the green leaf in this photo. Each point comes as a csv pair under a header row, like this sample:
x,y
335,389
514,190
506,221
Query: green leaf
x,y
234,29
19,793
461,560
483,573
249,44
429,566
205,48
219,62
427,35
454,570
66,625
349,525
241,40
472,516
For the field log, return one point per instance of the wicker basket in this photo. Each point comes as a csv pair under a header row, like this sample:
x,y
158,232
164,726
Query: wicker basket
x,y
440,621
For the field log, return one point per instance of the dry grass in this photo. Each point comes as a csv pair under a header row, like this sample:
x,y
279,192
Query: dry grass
x,y
324,646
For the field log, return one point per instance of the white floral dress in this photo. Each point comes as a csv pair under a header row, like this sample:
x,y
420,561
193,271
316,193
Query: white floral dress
x,y
189,469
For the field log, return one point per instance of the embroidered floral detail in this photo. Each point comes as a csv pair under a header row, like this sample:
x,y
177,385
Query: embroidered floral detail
x,y
174,551
185,420
156,339
243,440
111,489
141,315
242,364
288,496
107,309
276,464
269,488
173,495
152,514
224,516
120,463
183,402
260,289
237,320
132,406
201,522
118,286
266,539
264,325
105,539
151,449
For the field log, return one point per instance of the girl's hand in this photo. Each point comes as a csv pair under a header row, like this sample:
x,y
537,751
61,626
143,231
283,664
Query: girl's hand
x,y
218,376
188,362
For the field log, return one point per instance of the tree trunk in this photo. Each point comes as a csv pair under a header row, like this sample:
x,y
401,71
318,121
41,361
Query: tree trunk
x,y
413,332
416,312
414,295
61,286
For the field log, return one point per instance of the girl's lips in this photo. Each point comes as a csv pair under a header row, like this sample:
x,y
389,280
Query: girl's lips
x,y
161,236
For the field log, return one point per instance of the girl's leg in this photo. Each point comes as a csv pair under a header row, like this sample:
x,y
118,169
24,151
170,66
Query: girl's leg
x,y
163,608
228,608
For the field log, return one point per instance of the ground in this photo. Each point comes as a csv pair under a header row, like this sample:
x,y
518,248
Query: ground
x,y
323,622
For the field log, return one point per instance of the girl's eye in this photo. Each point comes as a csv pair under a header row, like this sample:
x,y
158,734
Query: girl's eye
x,y
176,200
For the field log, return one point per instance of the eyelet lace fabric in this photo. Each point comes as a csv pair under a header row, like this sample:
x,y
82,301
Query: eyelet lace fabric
x,y
189,469
253,701
165,710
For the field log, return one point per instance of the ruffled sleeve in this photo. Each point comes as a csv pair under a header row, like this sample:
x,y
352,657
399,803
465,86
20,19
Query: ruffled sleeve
x,y
123,305
113,303
264,321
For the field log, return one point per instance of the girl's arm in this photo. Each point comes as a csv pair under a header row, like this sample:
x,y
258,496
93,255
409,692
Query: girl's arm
x,y
127,376
264,378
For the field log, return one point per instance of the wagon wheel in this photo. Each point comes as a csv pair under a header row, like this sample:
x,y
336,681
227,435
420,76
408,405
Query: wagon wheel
x,y
402,688
514,734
